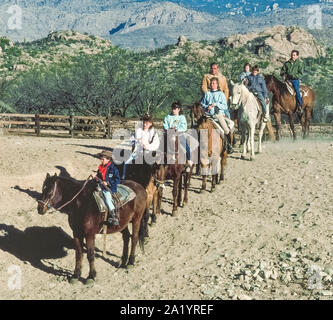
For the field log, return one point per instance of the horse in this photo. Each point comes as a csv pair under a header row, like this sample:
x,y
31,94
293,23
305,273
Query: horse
x,y
146,175
213,152
285,103
172,169
75,198
249,115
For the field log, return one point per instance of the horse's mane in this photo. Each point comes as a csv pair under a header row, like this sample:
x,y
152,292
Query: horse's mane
x,y
282,87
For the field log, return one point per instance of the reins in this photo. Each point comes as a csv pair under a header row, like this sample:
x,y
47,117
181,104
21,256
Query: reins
x,y
68,202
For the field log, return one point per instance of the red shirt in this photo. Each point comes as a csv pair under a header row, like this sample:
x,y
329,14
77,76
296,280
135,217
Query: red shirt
x,y
102,169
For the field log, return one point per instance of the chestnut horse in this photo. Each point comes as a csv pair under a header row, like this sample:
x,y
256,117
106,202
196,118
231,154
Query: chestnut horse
x,y
213,152
284,102
76,199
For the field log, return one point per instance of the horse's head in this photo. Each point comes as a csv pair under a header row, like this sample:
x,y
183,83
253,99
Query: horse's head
x,y
270,81
50,195
236,95
196,111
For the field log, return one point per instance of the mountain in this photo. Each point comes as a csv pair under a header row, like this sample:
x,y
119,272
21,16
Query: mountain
x,y
152,24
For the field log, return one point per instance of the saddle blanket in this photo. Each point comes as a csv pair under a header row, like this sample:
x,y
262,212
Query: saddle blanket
x,y
291,89
124,195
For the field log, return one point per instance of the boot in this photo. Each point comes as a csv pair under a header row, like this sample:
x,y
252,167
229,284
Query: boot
x,y
230,149
112,219
299,109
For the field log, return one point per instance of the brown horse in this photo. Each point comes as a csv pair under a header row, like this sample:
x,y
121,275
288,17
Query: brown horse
x,y
86,221
145,174
284,102
213,152
175,171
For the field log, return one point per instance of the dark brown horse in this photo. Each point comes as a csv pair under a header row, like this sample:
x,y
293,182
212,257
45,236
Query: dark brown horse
x,y
86,221
285,103
213,152
145,174
175,170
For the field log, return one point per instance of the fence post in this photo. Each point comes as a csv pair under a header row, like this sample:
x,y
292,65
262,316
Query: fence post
x,y
71,123
37,124
109,126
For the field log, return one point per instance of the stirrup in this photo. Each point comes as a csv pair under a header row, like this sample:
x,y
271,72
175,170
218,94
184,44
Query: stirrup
x,y
230,149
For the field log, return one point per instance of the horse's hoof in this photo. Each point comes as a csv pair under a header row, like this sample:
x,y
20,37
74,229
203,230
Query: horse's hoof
x,y
174,213
74,280
242,157
89,282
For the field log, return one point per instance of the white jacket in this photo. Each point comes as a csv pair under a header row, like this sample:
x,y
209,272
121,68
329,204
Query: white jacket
x,y
148,138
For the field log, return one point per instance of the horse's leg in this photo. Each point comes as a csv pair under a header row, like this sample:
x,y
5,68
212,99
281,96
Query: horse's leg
x,y
179,198
277,117
175,196
155,205
187,178
90,242
306,131
204,168
135,238
126,236
292,125
261,133
252,130
78,244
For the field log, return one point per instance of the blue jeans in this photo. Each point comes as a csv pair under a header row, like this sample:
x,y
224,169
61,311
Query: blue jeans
x,y
108,200
187,147
261,98
295,84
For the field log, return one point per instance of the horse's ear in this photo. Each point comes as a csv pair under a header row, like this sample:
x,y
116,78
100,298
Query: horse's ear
x,y
232,83
48,176
55,175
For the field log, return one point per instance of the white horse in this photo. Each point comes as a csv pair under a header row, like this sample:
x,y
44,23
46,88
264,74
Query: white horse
x,y
249,115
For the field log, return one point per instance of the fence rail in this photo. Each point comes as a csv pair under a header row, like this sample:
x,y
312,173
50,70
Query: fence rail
x,y
103,127
65,126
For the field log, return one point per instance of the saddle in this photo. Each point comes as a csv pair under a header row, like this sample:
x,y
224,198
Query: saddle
x,y
124,195
303,91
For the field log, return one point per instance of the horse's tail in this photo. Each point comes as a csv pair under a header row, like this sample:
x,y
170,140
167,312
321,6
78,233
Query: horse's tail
x,y
270,130
143,231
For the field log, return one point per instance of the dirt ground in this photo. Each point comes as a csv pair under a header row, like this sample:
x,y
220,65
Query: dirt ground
x,y
265,233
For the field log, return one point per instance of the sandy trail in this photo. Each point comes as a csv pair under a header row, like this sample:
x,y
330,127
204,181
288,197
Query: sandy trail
x,y
265,233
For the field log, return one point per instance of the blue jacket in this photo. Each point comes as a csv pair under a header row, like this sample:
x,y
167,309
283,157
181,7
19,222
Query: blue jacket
x,y
218,98
111,177
171,121
257,84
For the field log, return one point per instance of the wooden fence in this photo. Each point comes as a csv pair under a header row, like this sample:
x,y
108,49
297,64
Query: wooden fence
x,y
65,126
103,127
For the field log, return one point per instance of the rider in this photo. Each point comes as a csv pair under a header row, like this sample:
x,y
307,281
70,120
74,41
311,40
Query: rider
x,y
292,70
257,85
246,71
215,73
177,121
109,176
214,102
144,140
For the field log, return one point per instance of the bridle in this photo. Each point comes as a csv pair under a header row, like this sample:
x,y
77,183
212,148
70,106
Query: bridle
x,y
159,183
47,204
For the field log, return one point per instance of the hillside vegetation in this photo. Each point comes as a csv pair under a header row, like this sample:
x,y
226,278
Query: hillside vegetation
x,y
69,72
